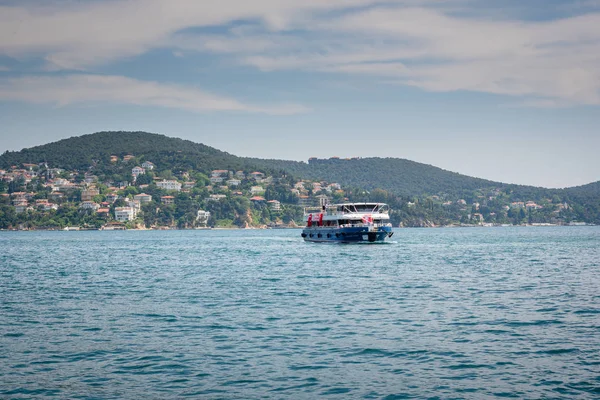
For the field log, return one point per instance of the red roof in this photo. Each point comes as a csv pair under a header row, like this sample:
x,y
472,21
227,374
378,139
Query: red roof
x,y
257,198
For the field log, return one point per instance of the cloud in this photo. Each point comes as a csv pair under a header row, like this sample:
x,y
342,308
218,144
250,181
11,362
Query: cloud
x,y
558,60
434,45
77,35
86,88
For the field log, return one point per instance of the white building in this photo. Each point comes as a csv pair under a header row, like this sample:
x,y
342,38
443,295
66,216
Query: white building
x,y
142,198
202,217
148,165
135,171
123,214
89,205
234,182
134,204
256,190
216,197
169,185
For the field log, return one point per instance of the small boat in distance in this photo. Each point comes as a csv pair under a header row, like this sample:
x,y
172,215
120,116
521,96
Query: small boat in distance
x,y
347,223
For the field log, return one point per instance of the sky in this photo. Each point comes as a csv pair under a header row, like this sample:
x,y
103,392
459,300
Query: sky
x,y
507,91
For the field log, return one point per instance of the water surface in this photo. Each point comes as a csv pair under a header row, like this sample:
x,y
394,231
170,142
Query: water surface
x,y
438,313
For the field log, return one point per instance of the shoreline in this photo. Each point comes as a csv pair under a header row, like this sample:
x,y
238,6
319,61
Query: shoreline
x,y
288,228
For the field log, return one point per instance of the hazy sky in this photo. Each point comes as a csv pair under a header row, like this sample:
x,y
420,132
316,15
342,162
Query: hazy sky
x,y
504,90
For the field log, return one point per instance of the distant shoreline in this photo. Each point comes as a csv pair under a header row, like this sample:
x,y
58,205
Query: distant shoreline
x,y
291,228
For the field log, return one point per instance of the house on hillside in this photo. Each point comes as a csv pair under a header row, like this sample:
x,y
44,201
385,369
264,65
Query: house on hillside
x,y
169,185
123,214
275,205
89,205
167,200
112,197
257,199
135,171
142,198
148,165
88,193
257,176
202,217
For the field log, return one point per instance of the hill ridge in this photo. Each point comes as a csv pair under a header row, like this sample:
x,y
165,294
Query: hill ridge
x,y
402,176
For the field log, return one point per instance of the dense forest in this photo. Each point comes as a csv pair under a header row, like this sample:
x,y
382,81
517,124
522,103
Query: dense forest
x,y
80,152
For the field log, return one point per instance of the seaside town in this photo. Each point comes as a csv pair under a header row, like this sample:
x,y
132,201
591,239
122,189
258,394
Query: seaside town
x,y
42,197
146,196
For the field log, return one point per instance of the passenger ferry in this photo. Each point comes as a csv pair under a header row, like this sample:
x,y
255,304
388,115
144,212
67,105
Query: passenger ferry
x,y
348,223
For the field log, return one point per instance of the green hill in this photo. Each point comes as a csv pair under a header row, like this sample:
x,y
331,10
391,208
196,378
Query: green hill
x,y
399,176
402,177
395,176
82,151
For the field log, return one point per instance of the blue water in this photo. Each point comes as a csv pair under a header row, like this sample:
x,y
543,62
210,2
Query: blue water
x,y
438,313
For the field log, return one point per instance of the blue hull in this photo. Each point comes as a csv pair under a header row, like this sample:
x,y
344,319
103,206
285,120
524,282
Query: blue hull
x,y
347,235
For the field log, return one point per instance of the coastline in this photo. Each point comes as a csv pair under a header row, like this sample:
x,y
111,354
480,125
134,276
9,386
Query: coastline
x,y
75,229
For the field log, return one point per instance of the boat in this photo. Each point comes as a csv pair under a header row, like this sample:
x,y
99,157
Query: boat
x,y
347,223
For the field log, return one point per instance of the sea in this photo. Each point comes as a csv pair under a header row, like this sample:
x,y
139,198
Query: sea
x,y
449,313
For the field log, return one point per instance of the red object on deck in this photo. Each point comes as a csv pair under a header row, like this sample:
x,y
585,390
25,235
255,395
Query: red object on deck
x,y
321,219
309,221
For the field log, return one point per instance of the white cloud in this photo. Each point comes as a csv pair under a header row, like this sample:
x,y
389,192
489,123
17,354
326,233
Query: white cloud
x,y
558,60
80,35
430,44
80,88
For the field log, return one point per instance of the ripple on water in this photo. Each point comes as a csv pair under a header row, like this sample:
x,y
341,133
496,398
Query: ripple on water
x,y
439,313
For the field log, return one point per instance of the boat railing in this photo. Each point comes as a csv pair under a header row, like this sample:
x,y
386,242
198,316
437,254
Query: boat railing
x,y
361,225
330,211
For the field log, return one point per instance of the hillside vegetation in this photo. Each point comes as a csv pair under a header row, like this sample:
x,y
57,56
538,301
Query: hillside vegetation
x,y
78,153
419,194
403,177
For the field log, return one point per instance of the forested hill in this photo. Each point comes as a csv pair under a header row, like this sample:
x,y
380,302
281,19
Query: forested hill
x,y
396,175
399,176
78,153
